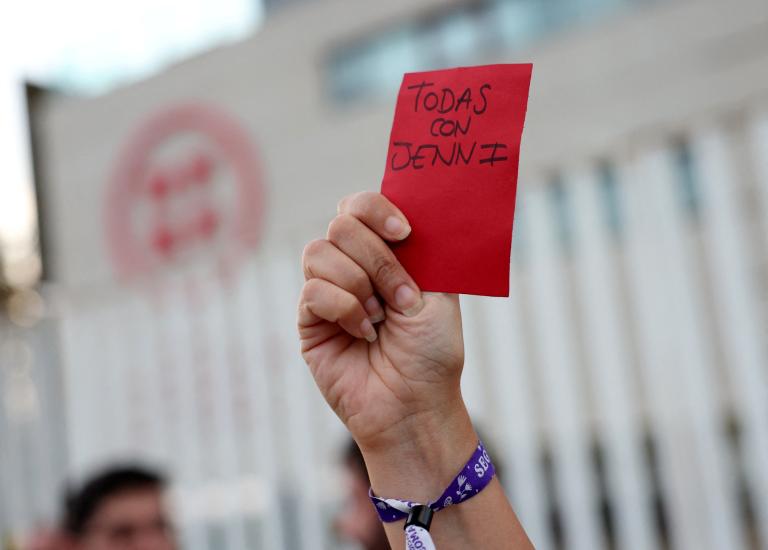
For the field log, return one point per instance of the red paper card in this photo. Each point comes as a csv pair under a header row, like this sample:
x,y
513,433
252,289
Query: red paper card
x,y
452,170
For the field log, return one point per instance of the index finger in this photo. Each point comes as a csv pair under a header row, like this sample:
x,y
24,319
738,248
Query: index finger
x,y
378,213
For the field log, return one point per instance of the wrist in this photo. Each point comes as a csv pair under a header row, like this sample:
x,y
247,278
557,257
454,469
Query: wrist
x,y
416,459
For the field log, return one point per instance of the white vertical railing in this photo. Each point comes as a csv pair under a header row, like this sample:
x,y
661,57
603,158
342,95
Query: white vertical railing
x,y
284,285
229,512
662,379
207,376
252,312
17,504
741,322
519,437
478,401
140,371
570,438
679,362
758,139
133,363
80,360
610,362
46,449
169,321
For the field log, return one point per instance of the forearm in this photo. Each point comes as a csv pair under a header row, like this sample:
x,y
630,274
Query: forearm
x,y
419,460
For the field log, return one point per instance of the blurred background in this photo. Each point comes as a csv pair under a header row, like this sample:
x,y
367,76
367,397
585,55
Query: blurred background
x,y
163,163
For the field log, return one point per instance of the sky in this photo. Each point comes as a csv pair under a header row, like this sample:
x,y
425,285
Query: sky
x,y
87,47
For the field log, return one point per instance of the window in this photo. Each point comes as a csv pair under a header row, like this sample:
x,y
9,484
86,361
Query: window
x,y
610,199
687,186
562,211
374,65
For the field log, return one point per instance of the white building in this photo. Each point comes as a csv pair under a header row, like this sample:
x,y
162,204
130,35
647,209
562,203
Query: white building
x,y
624,383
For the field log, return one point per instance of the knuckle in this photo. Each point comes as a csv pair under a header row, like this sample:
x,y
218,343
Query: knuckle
x,y
348,305
310,291
344,202
313,248
364,203
385,271
302,308
360,285
340,226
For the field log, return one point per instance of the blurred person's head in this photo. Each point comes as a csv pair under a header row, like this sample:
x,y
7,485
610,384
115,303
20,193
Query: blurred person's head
x,y
358,521
121,508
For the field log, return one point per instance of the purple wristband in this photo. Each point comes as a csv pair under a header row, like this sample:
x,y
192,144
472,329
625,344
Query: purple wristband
x,y
473,478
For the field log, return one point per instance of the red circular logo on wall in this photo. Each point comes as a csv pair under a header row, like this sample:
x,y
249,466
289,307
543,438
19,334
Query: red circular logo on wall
x,y
186,189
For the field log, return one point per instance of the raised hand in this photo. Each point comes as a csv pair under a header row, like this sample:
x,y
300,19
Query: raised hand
x,y
388,359
382,352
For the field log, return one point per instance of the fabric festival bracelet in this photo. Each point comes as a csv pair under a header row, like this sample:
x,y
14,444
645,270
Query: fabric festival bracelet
x,y
473,478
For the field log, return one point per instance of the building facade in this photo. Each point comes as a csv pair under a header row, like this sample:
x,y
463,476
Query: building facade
x,y
624,381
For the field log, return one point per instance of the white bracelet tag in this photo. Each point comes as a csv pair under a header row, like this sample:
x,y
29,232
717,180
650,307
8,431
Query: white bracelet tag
x,y
418,538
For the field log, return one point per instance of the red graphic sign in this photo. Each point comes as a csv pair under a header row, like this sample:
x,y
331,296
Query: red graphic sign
x,y
452,170
186,190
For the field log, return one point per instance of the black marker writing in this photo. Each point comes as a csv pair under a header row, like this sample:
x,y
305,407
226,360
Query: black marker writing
x,y
420,87
447,127
493,158
485,101
448,152
432,153
445,101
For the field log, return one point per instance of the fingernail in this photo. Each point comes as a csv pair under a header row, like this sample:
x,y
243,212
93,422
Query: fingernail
x,y
374,309
395,227
366,327
407,300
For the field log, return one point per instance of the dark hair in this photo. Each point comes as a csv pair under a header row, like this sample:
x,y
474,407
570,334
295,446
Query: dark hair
x,y
81,504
